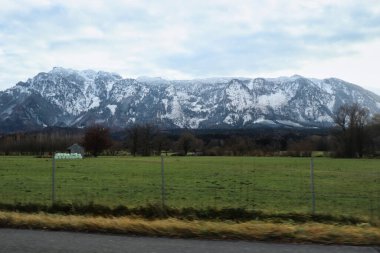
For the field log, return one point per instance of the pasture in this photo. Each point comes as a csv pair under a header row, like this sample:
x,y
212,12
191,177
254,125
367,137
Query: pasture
x,y
270,184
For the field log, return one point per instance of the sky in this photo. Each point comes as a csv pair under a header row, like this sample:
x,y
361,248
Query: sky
x,y
177,39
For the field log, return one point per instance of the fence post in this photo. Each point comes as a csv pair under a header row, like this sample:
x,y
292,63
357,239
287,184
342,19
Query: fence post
x,y
162,183
312,185
371,208
53,181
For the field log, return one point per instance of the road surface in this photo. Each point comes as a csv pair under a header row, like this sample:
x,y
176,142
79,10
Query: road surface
x,y
30,241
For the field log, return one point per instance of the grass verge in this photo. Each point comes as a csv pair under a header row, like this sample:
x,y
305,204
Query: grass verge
x,y
361,234
156,211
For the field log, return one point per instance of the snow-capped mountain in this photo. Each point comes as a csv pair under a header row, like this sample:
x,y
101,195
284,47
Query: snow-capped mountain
x,y
65,97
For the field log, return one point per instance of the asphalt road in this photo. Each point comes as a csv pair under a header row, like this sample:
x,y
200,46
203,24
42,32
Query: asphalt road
x,y
27,241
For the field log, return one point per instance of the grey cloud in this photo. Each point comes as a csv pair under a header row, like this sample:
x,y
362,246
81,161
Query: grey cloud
x,y
195,38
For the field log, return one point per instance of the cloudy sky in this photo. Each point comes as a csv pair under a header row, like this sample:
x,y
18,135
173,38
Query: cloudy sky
x,y
193,39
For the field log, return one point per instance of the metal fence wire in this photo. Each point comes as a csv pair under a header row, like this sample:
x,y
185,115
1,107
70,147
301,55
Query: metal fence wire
x,y
177,182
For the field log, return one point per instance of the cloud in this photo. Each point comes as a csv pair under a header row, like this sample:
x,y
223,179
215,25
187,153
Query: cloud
x,y
184,39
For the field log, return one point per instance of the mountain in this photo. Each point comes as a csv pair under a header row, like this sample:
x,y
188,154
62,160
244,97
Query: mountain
x,y
66,97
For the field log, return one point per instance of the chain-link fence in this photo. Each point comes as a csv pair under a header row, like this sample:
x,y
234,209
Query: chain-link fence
x,y
280,185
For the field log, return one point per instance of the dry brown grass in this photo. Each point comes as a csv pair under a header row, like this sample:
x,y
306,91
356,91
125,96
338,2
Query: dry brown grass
x,y
363,234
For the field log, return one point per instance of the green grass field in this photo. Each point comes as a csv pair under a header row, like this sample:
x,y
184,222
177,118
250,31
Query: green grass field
x,y
271,184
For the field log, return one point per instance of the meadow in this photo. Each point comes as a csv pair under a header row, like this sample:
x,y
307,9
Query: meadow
x,y
270,184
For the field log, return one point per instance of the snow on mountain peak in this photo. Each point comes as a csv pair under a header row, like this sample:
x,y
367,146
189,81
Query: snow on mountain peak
x,y
283,79
79,98
62,71
152,80
238,95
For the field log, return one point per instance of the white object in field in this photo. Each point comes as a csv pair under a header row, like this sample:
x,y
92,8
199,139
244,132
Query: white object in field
x,y
59,156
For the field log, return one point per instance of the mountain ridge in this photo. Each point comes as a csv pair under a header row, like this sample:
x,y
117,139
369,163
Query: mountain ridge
x,y
81,98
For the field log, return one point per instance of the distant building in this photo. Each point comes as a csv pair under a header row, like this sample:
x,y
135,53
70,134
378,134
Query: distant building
x,y
76,148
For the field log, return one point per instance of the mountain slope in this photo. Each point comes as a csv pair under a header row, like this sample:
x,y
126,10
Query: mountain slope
x,y
65,97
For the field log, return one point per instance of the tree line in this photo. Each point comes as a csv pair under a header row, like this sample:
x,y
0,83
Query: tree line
x,y
39,143
356,134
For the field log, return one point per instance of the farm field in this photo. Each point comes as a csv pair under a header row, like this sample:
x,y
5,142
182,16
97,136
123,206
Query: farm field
x,y
271,184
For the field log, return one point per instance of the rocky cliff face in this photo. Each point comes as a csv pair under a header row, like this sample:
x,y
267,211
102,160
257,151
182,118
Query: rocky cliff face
x,y
65,97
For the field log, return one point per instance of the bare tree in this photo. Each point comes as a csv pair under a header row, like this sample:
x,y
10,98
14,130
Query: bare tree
x,y
186,142
161,142
132,139
351,120
140,139
374,133
96,139
147,133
